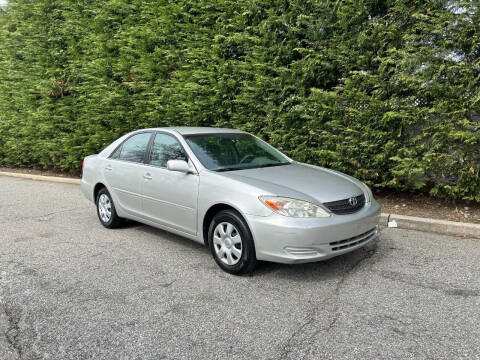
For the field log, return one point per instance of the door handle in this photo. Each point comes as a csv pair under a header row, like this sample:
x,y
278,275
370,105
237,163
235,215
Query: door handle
x,y
147,176
109,168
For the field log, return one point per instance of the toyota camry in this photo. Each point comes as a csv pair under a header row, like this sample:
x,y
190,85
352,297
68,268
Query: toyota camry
x,y
228,189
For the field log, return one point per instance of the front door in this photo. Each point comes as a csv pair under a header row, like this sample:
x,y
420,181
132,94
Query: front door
x,y
169,197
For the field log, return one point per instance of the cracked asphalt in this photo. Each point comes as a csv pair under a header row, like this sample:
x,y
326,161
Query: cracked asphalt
x,y
70,289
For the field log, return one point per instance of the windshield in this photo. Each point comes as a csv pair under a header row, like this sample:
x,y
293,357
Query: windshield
x,y
226,152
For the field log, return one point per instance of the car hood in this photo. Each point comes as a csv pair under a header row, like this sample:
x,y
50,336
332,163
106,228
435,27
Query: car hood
x,y
298,180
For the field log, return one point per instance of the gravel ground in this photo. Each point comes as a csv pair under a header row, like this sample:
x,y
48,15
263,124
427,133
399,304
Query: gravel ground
x,y
429,207
70,289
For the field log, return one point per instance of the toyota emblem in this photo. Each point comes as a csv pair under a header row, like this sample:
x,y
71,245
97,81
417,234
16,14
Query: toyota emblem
x,y
353,201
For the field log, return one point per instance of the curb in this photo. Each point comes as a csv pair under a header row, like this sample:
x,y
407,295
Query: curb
x,y
403,222
445,227
41,177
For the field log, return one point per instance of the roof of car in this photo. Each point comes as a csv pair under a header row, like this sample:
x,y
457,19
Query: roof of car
x,y
190,130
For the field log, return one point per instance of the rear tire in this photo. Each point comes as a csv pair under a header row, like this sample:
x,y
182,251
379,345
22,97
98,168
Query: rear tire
x,y
231,243
106,210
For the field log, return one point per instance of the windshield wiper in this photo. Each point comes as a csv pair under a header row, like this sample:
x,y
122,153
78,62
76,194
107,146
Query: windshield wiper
x,y
229,169
232,168
272,164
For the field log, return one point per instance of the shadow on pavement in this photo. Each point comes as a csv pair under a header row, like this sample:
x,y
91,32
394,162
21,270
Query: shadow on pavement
x,y
333,268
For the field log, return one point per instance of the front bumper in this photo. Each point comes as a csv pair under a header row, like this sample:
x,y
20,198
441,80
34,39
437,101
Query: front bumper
x,y
295,240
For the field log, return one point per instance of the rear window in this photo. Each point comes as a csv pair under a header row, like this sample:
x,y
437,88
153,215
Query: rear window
x,y
133,149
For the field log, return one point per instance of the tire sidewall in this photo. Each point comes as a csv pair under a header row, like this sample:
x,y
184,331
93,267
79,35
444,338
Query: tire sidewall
x,y
110,222
248,258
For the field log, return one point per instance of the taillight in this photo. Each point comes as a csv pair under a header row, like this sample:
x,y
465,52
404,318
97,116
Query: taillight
x,y
83,164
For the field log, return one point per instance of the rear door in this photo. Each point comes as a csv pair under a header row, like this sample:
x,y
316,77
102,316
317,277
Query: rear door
x,y
169,197
124,170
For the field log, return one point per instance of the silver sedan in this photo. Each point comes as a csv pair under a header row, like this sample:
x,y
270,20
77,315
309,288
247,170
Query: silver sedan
x,y
234,193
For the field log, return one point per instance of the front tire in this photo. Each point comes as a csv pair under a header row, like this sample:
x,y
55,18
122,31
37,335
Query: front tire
x,y
106,210
231,243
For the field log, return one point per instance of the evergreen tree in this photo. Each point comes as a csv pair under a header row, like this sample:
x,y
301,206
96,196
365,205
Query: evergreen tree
x,y
385,90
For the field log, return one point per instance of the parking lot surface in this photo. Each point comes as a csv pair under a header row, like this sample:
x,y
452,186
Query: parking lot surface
x,y
70,289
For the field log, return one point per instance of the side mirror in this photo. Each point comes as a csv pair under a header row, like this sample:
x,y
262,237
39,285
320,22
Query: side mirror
x,y
180,166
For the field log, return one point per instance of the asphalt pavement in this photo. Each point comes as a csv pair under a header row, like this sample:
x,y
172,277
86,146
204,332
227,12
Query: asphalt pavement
x,y
71,289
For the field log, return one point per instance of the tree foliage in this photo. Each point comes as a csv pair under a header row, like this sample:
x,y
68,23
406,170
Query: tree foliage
x,y
387,91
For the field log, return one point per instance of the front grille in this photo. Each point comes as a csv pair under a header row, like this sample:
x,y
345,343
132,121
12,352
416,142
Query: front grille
x,y
353,241
343,207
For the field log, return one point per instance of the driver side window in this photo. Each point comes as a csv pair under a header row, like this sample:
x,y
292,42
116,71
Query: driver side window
x,y
166,147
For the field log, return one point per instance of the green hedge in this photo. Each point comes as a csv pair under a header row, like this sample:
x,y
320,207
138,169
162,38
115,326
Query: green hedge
x,y
387,91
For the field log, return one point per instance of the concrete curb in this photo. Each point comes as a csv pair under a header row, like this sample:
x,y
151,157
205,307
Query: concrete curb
x,y
454,228
58,179
403,221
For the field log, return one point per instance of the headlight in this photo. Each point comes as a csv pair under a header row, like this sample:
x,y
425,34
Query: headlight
x,y
293,208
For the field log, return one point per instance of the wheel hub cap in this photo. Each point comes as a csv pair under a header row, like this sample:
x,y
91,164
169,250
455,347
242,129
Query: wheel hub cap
x,y
227,243
105,208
